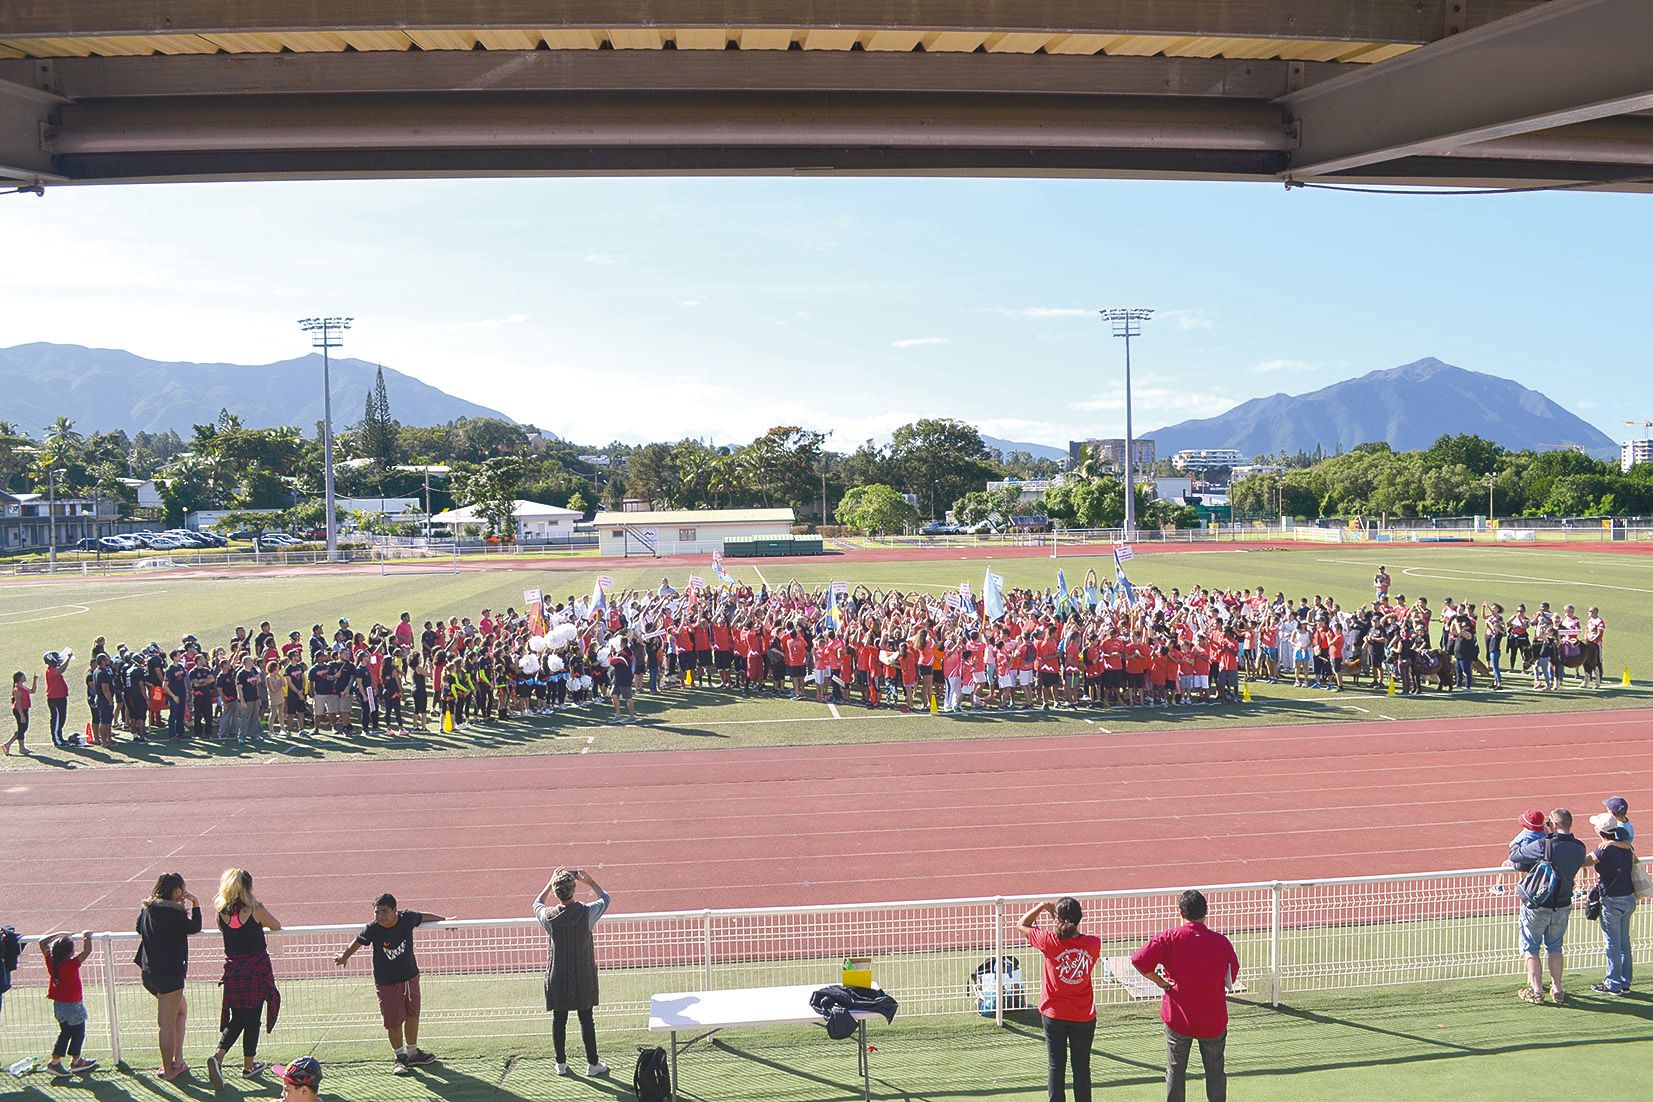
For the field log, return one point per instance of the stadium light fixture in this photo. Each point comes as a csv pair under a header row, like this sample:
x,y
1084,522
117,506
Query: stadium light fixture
x,y
1127,323
325,334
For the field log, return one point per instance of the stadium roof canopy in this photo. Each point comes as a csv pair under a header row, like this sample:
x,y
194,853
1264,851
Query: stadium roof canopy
x,y
1459,92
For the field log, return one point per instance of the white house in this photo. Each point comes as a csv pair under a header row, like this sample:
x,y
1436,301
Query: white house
x,y
684,531
147,493
534,520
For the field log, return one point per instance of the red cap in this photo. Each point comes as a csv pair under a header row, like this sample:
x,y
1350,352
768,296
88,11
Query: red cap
x,y
1533,819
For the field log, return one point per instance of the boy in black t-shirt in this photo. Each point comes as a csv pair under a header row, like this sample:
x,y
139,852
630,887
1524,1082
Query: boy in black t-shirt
x,y
396,976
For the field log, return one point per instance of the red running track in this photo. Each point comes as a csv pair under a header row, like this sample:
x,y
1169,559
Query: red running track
x,y
1087,810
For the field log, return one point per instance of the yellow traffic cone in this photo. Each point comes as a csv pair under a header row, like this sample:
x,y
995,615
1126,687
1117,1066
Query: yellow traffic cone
x,y
1626,681
1245,692
1391,686
688,679
447,721
932,703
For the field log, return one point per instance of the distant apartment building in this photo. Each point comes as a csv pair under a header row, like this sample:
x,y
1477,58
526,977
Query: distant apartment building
x,y
1246,470
1203,459
1111,453
1632,452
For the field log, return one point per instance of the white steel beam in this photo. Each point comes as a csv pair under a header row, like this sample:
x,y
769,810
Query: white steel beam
x,y
1567,62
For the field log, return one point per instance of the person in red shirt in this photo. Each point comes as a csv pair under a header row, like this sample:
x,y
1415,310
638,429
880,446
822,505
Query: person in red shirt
x,y
1067,1002
1194,965
63,988
797,654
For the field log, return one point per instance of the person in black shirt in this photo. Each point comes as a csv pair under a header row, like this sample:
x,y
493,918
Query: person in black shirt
x,y
229,715
104,695
318,643
137,699
168,918
1614,861
247,683
396,976
176,691
201,684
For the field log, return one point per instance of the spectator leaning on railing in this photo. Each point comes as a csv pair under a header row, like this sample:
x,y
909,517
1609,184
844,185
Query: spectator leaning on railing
x,y
1194,965
1544,917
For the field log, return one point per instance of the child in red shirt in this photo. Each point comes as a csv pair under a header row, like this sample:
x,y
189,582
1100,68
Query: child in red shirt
x,y
63,988
22,697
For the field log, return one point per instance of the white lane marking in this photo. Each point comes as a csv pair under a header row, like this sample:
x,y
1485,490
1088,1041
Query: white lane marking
x,y
1391,719
1357,708
761,578
1458,575
833,708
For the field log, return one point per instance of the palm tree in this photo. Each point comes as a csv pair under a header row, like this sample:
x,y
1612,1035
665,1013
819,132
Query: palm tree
x,y
1090,464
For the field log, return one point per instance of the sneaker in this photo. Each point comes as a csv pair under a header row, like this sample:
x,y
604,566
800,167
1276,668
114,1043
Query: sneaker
x,y
59,1071
79,1066
401,1066
597,1070
215,1071
562,1069
419,1058
1603,989
255,1071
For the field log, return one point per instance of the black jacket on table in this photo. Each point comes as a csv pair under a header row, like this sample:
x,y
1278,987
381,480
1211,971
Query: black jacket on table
x,y
835,1003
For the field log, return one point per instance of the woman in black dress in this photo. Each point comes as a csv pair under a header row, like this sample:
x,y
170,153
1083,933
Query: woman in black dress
x,y
168,918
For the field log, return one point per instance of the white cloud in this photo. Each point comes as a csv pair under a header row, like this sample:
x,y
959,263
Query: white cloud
x,y
1042,312
917,342
1148,402
1586,403
1027,431
491,323
1194,317
689,302
1272,367
601,258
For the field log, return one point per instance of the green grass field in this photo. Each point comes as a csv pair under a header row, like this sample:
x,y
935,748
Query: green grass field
x,y
40,615
1470,1041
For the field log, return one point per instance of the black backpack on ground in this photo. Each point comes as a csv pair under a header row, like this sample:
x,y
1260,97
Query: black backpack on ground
x,y
652,1081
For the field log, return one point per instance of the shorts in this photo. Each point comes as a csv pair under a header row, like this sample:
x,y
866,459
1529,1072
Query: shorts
x,y
1007,680
1135,680
1049,680
1543,924
822,676
702,658
980,677
1268,652
294,705
1024,678
1300,657
103,714
861,679
794,671
162,983
329,704
622,693
398,1002
723,659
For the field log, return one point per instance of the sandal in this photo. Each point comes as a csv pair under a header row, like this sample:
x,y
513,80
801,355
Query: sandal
x,y
1559,996
1527,994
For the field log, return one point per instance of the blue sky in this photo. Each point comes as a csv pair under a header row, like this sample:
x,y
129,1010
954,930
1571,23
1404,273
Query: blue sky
x,y
638,309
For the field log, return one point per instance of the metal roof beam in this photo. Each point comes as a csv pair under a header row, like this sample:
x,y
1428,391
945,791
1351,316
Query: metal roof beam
x,y
659,71
1570,61
392,121
25,122
1414,21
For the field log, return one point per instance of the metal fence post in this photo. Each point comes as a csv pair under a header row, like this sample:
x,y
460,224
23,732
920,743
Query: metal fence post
x,y
706,948
112,1004
998,959
1275,891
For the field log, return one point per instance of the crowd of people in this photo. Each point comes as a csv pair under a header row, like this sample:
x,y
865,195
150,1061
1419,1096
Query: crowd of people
x,y
1104,644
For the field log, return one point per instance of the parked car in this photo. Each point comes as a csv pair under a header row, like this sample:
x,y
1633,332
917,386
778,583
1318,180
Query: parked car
x,y
126,542
980,528
278,539
937,528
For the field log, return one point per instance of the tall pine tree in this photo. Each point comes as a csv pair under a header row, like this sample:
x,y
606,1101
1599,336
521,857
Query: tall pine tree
x,y
378,429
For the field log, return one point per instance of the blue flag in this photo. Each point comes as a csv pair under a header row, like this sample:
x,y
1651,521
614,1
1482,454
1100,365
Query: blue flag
x,y
1124,582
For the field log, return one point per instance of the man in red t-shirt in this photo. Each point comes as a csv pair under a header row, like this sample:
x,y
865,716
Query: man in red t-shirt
x,y
1194,966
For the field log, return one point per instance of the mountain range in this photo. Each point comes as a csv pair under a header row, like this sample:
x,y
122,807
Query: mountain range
x,y
1408,406
104,389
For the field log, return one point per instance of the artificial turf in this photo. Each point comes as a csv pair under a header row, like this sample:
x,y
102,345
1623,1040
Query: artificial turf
x,y
40,616
1459,1041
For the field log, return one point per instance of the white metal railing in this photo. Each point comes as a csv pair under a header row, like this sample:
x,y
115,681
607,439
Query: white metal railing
x,y
482,978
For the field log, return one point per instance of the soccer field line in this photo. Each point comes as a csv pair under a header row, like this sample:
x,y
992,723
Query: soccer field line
x,y
1455,574
77,608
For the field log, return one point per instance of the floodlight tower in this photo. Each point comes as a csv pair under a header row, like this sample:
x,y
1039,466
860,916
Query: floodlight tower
x,y
325,334
1127,322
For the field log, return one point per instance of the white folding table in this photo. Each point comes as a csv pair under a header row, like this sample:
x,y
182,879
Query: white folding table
x,y
711,1011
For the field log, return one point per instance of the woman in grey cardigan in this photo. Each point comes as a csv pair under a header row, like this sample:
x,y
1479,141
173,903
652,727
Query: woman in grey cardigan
x,y
571,969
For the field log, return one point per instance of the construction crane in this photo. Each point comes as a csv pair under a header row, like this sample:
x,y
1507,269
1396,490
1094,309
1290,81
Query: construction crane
x,y
1644,424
